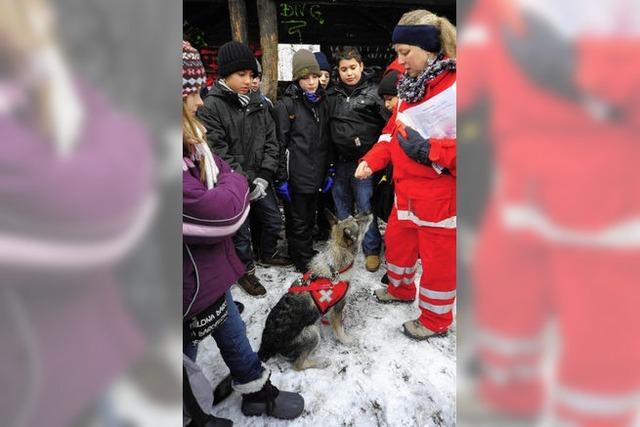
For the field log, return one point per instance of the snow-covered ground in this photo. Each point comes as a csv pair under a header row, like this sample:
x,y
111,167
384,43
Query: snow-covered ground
x,y
383,379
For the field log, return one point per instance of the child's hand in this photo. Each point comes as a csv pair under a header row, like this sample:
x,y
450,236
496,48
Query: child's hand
x,y
283,191
363,171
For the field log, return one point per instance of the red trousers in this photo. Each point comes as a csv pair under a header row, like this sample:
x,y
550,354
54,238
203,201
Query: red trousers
x,y
436,247
520,284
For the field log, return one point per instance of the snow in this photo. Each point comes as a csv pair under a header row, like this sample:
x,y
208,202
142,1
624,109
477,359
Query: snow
x,y
382,379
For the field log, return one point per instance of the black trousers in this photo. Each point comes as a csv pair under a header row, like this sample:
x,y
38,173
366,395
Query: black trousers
x,y
325,201
302,215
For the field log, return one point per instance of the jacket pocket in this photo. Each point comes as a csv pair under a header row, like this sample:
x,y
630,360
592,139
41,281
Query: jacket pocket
x,y
428,203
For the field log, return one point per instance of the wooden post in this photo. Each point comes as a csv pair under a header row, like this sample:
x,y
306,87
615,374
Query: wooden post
x,y
238,18
268,21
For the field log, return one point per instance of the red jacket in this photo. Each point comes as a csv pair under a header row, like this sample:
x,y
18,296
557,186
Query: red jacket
x,y
423,195
552,153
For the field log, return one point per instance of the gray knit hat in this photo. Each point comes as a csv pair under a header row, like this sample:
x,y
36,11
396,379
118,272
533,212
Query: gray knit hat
x,y
304,63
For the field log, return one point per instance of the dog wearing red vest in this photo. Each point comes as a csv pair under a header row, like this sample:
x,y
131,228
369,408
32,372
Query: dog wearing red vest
x,y
292,328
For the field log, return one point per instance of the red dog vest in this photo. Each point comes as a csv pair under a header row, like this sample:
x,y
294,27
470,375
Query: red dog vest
x,y
324,292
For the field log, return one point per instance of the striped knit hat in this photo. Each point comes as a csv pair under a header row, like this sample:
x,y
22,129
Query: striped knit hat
x,y
193,74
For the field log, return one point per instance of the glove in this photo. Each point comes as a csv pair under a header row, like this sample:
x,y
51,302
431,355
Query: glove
x,y
259,190
328,180
283,191
415,146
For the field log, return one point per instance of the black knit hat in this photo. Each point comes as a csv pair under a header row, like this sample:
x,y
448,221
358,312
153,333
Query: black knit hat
x,y
389,84
323,62
234,56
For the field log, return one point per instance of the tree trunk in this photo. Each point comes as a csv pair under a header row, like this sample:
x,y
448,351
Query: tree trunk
x,y
238,18
268,21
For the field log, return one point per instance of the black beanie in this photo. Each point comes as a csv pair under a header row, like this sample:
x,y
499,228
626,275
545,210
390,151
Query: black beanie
x,y
234,56
323,62
389,84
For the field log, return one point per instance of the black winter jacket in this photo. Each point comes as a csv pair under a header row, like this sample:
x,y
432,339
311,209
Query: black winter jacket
x,y
356,119
244,137
303,130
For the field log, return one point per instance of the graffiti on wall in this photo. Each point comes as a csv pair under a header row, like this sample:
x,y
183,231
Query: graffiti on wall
x,y
297,16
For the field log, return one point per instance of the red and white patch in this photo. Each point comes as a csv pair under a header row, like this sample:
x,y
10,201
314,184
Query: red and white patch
x,y
324,292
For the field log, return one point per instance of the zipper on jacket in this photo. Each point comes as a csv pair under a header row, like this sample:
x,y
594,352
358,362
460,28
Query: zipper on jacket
x,y
244,117
195,295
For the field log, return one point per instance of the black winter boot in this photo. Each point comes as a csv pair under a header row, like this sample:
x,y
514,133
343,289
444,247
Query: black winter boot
x,y
222,390
261,397
273,402
213,422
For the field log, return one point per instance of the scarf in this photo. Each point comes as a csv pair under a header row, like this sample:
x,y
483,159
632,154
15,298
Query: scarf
x,y
312,97
201,151
411,89
243,99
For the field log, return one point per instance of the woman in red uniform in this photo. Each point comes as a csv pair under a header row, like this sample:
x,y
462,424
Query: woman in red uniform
x,y
420,141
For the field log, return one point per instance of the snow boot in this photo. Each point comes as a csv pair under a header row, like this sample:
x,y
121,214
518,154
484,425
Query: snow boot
x,y
417,331
273,402
385,279
222,390
383,296
275,260
212,422
250,283
372,263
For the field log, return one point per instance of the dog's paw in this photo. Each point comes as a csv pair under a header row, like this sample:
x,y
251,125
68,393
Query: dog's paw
x,y
347,340
312,364
322,363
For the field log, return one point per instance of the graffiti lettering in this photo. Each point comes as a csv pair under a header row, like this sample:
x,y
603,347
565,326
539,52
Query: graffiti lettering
x,y
316,13
299,12
295,27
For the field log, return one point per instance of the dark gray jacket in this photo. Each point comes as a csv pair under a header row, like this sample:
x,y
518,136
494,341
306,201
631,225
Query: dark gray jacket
x,y
245,137
356,118
303,130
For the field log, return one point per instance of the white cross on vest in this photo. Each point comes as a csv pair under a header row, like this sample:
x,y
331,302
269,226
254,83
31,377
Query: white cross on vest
x,y
326,295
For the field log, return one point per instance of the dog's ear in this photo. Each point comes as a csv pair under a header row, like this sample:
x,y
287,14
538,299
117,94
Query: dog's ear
x,y
333,220
364,219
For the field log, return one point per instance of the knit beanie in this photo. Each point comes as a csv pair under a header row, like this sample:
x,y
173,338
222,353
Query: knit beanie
x,y
389,84
193,74
323,62
234,56
304,63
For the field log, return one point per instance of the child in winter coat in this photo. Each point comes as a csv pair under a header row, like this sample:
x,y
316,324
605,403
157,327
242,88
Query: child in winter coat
x,y
423,221
215,205
325,69
241,130
325,199
302,122
357,117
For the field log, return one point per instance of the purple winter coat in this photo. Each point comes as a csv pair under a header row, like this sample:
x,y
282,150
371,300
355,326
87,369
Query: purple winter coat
x,y
210,217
